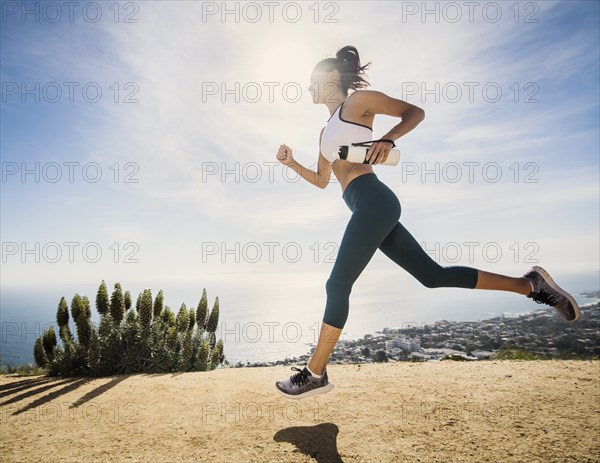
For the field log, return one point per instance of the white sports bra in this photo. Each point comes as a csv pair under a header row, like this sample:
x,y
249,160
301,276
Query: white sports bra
x,y
341,132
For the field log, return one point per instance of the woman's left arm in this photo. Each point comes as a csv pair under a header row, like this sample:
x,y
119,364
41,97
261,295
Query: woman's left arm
x,y
379,103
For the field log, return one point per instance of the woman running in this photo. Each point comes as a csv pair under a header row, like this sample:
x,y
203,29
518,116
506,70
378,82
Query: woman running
x,y
374,223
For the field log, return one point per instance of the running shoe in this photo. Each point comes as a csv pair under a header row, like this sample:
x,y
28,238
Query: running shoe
x,y
303,384
546,291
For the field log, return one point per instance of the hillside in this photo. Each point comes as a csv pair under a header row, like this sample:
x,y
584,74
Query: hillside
x,y
495,411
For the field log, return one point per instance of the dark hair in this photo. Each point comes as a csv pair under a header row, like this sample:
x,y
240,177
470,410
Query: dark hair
x,y
347,62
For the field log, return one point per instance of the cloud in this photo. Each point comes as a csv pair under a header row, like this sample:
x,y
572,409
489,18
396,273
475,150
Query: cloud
x,y
197,151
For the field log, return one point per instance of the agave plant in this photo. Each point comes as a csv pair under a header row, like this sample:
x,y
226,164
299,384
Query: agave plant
x,y
131,360
158,362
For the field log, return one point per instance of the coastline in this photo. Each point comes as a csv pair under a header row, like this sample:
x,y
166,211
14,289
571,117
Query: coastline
x,y
534,332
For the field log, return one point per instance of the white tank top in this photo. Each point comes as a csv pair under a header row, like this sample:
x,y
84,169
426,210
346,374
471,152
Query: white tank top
x,y
341,132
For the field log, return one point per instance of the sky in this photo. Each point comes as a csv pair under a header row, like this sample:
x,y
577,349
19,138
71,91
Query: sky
x,y
139,141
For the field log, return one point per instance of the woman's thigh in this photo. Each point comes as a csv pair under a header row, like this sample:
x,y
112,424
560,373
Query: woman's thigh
x,y
369,225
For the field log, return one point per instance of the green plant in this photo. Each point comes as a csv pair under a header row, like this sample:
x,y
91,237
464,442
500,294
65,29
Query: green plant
x,y
183,319
102,302
202,311
149,339
39,354
158,304
515,353
49,343
117,304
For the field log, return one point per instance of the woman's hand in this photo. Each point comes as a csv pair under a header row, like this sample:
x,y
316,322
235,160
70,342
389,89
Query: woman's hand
x,y
378,152
284,155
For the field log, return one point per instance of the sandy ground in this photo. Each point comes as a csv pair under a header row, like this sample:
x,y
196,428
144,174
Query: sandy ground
x,y
487,411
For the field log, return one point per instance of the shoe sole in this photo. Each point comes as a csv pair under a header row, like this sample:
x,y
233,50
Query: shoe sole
x,y
557,288
319,390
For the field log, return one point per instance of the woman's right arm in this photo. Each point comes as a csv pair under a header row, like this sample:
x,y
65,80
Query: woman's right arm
x,y
319,178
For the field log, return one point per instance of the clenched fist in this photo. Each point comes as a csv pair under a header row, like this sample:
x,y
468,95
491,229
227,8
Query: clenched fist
x,y
284,155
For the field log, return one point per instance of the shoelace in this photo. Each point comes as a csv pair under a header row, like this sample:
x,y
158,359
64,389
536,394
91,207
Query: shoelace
x,y
300,378
545,297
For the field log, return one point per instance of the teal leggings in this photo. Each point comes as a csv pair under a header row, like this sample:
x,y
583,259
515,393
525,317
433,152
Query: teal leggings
x,y
374,225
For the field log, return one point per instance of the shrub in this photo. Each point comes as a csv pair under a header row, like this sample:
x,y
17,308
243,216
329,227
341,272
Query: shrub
x,y
514,353
149,339
380,356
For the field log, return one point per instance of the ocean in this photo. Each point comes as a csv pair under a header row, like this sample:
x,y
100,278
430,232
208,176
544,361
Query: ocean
x,y
267,317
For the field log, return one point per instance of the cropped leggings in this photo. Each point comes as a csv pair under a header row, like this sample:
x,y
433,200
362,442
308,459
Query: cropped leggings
x,y
374,225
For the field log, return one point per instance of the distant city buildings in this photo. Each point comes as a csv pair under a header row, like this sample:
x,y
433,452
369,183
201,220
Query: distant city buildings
x,y
541,332
403,343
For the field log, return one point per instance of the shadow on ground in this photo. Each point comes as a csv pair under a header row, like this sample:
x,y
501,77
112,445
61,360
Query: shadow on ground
x,y
318,442
52,389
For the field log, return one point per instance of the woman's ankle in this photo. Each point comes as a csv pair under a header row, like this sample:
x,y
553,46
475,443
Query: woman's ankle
x,y
314,373
529,286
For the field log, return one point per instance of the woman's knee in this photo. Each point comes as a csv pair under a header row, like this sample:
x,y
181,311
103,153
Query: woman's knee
x,y
433,279
337,289
449,277
337,307
429,282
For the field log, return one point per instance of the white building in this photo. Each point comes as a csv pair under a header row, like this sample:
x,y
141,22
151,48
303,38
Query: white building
x,y
404,343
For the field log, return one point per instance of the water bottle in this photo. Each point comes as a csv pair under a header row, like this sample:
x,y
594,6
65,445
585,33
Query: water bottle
x,y
357,152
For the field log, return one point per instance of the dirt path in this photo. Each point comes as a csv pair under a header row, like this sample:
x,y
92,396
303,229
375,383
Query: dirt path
x,y
486,411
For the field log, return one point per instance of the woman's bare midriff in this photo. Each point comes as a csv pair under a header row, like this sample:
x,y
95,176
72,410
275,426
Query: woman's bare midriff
x,y
346,171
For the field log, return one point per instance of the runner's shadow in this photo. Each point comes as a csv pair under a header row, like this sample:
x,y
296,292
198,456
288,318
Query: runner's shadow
x,y
318,442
